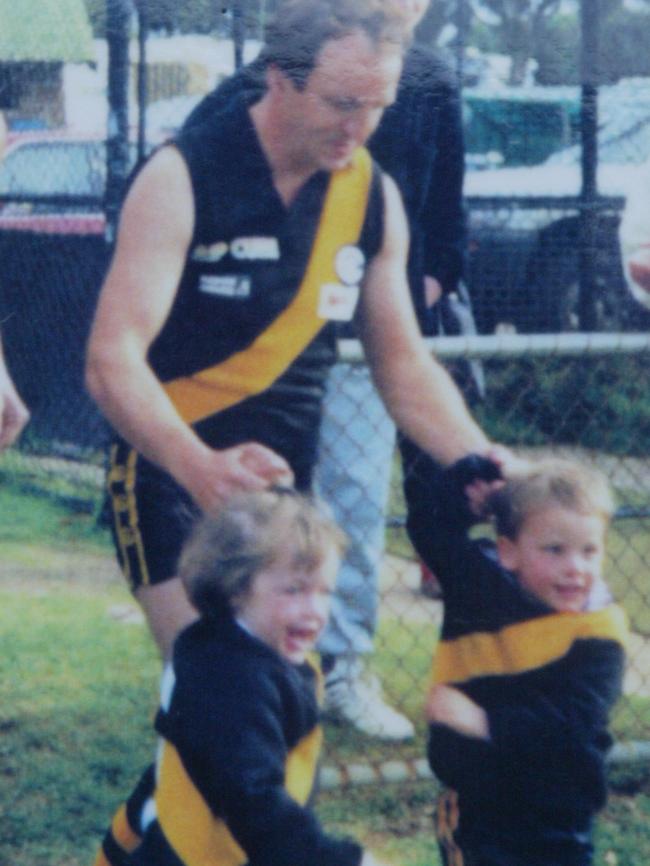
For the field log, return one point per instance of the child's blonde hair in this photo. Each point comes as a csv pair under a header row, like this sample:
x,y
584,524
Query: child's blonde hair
x,y
551,481
226,550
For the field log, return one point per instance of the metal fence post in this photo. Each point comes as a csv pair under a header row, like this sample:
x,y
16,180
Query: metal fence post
x,y
238,32
589,64
142,81
462,25
118,17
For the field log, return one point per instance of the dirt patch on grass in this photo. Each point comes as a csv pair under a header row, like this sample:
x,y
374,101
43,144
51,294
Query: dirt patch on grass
x,y
41,565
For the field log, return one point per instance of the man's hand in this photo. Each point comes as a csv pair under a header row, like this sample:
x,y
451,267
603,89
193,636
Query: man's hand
x,y
13,412
451,707
432,291
639,266
246,467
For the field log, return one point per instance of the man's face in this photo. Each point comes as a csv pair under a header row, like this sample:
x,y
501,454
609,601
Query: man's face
x,y
342,101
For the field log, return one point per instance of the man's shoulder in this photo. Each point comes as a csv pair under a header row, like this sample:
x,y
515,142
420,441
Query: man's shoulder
x,y
224,137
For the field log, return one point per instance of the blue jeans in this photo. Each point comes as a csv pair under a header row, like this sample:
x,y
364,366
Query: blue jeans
x,y
357,441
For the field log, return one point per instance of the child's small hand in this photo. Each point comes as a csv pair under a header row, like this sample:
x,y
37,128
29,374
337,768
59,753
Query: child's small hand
x,y
449,706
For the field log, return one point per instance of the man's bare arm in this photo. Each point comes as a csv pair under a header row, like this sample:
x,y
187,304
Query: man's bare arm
x,y
137,296
419,393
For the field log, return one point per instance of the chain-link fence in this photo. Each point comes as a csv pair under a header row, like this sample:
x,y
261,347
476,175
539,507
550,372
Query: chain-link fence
x,y
524,267
582,396
579,395
527,248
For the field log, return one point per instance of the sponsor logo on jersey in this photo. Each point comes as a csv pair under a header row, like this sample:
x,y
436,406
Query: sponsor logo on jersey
x,y
255,249
245,249
209,253
226,285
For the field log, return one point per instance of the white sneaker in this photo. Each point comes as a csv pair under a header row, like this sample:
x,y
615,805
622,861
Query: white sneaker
x,y
354,695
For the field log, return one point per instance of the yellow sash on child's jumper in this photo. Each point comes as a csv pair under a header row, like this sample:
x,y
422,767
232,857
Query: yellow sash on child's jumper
x,y
525,645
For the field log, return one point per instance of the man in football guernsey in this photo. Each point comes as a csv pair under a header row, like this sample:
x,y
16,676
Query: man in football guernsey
x,y
240,243
239,735
418,142
529,664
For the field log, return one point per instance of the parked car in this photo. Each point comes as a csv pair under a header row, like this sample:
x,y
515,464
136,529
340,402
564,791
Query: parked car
x,y
53,183
524,230
518,125
54,255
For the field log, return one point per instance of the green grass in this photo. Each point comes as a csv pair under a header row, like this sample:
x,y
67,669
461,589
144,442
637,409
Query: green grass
x,y
399,824
78,689
77,694
29,518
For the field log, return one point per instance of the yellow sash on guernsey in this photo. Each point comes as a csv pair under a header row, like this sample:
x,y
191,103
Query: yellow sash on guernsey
x,y
196,835
256,367
524,646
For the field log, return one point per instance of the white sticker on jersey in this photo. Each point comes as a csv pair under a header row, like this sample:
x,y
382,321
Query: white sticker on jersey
x,y
255,249
349,265
167,684
209,253
337,302
226,285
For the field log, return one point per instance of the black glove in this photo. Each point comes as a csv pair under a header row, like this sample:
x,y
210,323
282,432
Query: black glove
x,y
455,478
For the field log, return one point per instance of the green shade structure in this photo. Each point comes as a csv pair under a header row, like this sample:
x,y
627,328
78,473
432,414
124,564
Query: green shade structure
x,y
45,31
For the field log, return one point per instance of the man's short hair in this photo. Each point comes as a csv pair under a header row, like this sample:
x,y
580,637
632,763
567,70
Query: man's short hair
x,y
252,531
300,28
550,482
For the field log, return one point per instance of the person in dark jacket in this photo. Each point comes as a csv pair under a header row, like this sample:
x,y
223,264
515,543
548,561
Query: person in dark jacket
x,y
238,724
528,667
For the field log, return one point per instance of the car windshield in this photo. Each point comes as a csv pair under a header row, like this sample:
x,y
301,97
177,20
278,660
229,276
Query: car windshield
x,y
54,168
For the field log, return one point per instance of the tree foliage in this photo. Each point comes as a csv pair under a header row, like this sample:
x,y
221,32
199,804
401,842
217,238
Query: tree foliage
x,y
97,15
516,24
545,30
439,14
624,37
188,16
557,51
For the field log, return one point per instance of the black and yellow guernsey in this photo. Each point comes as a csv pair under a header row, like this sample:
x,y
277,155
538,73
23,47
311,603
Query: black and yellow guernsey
x,y
547,681
240,740
251,334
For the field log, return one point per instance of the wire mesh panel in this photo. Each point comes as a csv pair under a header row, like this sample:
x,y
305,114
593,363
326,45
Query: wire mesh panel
x,y
524,267
582,396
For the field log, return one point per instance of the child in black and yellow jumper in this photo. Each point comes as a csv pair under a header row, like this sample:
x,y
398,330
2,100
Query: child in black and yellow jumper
x,y
239,719
529,664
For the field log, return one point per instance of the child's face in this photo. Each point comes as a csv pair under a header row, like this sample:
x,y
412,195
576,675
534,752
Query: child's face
x,y
557,556
287,607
